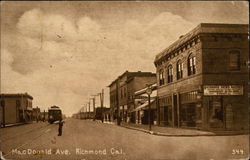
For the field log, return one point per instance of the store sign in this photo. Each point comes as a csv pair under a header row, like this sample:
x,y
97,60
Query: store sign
x,y
223,90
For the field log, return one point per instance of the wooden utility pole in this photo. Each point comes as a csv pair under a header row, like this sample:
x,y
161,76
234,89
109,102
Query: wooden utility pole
x,y
102,100
94,110
89,109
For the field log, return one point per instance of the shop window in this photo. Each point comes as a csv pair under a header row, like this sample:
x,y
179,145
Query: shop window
x,y
234,60
161,78
170,74
191,64
188,115
189,97
179,69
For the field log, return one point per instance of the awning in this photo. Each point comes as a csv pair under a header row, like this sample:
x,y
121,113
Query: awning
x,y
143,106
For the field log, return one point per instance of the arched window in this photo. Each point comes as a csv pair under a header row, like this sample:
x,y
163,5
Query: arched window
x,y
161,77
170,74
191,64
179,67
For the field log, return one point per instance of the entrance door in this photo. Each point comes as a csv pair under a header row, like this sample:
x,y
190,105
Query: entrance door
x,y
216,116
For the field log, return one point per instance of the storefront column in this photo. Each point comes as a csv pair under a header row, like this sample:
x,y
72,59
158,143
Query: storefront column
x,y
173,117
178,109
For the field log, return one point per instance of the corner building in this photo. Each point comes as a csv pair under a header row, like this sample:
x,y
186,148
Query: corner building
x,y
202,79
122,93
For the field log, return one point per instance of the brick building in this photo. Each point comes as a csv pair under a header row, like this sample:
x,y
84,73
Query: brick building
x,y
122,92
203,79
16,108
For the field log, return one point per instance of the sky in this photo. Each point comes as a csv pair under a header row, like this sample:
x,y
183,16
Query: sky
x,y
62,53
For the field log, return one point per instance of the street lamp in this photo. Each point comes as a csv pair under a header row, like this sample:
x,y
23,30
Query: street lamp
x,y
149,92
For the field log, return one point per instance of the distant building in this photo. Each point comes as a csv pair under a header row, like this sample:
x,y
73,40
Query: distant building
x,y
203,79
16,108
36,114
102,113
122,92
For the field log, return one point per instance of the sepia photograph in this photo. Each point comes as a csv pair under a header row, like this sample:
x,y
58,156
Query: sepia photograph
x,y
124,80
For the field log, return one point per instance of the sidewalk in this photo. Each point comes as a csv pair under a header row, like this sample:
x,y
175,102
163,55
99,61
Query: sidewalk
x,y
12,125
169,131
18,124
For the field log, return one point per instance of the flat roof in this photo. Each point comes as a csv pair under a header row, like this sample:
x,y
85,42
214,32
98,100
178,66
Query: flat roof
x,y
133,74
15,95
221,28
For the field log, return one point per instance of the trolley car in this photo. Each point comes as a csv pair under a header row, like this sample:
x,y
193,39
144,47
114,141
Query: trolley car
x,y
54,114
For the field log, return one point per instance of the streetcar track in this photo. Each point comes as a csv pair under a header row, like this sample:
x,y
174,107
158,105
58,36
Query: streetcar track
x,y
29,142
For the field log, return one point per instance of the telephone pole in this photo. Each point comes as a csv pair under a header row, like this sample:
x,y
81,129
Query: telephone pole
x,y
89,109
94,110
102,100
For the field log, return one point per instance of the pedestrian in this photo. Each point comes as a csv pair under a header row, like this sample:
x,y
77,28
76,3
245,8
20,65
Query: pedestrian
x,y
60,127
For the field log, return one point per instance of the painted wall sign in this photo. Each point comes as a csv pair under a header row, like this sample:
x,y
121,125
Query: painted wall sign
x,y
223,90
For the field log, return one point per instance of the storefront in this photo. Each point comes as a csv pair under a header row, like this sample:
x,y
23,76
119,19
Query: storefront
x,y
165,111
224,106
190,109
142,113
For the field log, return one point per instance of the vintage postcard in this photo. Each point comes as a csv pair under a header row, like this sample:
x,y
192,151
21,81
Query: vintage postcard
x,y
124,80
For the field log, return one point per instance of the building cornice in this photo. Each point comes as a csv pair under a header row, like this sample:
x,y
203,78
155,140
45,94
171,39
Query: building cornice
x,y
193,37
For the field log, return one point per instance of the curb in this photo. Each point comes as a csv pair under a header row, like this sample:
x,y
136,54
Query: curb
x,y
181,135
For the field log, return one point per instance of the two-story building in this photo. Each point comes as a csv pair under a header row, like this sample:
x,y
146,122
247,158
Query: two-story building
x,y
203,79
122,92
16,108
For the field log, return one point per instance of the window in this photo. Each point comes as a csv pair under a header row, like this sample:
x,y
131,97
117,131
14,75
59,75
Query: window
x,y
161,78
18,103
191,64
170,74
234,60
2,103
121,93
179,69
125,93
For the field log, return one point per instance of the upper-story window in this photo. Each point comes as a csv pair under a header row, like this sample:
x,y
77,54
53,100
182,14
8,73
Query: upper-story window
x,y
179,67
234,60
125,93
191,64
121,93
18,103
170,73
161,77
